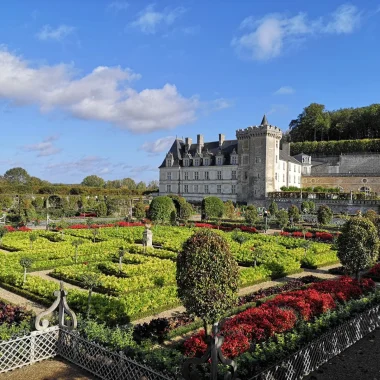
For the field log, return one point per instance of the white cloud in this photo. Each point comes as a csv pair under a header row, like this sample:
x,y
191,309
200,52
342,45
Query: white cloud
x,y
277,108
44,148
118,6
143,168
158,146
266,38
103,95
149,20
285,90
87,164
221,104
57,34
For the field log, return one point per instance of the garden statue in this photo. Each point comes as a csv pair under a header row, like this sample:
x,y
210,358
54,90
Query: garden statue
x,y
147,237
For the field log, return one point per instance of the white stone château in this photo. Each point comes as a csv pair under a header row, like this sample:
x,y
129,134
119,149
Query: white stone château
x,y
243,170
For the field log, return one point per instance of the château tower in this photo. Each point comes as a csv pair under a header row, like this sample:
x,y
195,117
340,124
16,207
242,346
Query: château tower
x,y
258,149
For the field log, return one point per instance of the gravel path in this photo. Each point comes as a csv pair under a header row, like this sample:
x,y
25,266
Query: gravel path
x,y
45,275
51,369
21,301
358,362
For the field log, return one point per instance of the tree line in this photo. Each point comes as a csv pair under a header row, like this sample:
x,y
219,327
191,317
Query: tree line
x,y
315,123
18,181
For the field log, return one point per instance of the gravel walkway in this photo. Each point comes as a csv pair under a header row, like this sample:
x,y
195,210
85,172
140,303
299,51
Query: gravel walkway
x,y
45,275
21,301
358,362
51,369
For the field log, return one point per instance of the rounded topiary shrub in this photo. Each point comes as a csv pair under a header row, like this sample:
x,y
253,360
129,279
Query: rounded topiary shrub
x,y
212,207
358,245
161,209
324,214
207,276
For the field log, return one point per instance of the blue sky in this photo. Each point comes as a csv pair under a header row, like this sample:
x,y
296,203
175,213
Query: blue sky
x,y
103,87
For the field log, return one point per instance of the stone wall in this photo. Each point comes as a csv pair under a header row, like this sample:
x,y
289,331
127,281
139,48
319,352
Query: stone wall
x,y
347,182
337,206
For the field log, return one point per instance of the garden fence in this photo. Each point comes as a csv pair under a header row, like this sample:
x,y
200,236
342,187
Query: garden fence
x,y
64,341
321,350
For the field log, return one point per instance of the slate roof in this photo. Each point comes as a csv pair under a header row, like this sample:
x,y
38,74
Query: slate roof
x,y
179,150
285,157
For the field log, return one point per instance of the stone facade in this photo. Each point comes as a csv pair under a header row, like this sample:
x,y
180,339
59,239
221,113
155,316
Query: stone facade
x,y
242,170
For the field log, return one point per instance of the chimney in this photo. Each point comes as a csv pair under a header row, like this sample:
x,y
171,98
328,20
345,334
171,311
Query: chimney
x,y
188,141
200,143
221,139
286,148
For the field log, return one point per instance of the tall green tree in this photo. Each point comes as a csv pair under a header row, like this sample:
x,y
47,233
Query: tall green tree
x,y
17,176
93,181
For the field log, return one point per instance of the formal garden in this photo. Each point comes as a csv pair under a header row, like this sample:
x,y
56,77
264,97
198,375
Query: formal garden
x,y
115,278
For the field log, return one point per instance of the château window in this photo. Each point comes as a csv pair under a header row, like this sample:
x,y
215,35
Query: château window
x,y
365,190
234,160
283,165
219,175
196,175
168,188
206,189
233,189
276,159
220,160
245,175
206,162
196,162
257,160
186,188
206,175
245,160
219,189
275,176
283,178
233,174
169,176
196,189
169,162
186,176
186,162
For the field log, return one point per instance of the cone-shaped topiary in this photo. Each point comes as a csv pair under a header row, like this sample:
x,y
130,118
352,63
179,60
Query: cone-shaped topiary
x,y
207,276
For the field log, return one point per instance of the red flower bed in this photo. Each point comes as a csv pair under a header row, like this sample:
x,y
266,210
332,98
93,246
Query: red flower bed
x,y
325,236
309,235
226,228
24,229
297,234
374,271
284,233
280,314
9,228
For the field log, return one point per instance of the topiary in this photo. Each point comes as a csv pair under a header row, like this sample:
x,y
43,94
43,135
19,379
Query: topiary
x,y
160,209
294,213
207,276
251,214
229,210
358,245
324,214
140,212
212,207
282,219
273,208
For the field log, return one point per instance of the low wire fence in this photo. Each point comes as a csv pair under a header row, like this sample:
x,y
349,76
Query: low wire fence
x,y
320,351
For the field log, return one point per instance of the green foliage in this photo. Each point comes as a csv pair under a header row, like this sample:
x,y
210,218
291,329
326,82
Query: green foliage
x,y
371,215
251,214
26,262
6,202
101,209
93,181
358,245
229,210
3,232
160,209
294,213
212,207
324,214
183,208
239,237
282,219
308,207
273,208
140,212
17,176
315,123
207,276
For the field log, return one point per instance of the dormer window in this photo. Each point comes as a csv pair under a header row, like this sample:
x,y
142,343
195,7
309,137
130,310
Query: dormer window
x,y
196,162
206,161
186,162
169,160
219,160
234,159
